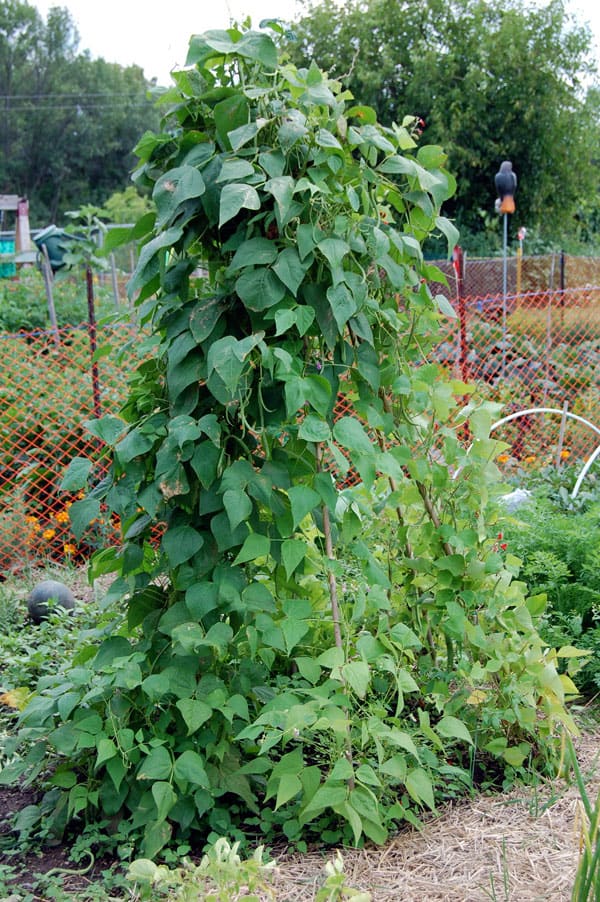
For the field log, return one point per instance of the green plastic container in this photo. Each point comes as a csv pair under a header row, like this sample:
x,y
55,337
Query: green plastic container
x,y
7,266
56,243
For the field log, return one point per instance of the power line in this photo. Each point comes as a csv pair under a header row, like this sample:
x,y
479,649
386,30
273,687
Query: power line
x,y
76,108
64,94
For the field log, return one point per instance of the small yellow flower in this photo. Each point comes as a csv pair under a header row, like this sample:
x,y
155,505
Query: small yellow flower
x,y
31,520
503,458
81,494
564,454
530,459
61,517
69,548
48,534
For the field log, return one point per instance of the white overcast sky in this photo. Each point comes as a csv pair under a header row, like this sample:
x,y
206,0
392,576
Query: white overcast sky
x,y
155,35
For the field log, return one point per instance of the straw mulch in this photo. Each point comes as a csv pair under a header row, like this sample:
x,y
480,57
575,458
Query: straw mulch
x,y
521,846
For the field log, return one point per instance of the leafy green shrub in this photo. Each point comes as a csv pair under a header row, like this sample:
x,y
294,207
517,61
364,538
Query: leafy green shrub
x,y
558,542
298,658
24,307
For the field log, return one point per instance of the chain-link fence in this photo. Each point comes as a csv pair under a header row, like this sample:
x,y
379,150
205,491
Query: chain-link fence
x,y
537,349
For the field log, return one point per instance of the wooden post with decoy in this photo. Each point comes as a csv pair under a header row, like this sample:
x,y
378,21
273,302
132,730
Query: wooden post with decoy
x,y
505,181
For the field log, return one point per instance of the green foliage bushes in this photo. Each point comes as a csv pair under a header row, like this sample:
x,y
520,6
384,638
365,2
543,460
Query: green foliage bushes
x,y
295,658
558,541
24,307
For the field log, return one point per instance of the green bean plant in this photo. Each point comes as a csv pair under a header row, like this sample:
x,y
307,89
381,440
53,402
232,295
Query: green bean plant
x,y
300,658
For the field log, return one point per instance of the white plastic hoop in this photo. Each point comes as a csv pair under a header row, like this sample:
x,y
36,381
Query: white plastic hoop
x,y
561,413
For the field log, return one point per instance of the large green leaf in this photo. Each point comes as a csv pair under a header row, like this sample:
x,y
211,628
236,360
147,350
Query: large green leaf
x,y
294,630
174,188
256,45
314,429
289,786
351,434
230,114
397,165
260,288
235,170
156,765
181,543
189,766
292,129
228,356
164,798
238,506
204,46
241,135
282,189
290,269
151,256
334,250
204,317
449,230
303,500
235,197
255,546
453,728
133,445
76,474
108,429
195,712
342,304
419,787
81,514
253,252
293,552
358,676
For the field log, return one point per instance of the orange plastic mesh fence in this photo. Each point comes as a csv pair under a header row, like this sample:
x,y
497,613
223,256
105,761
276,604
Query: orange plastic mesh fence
x,y
535,349
46,395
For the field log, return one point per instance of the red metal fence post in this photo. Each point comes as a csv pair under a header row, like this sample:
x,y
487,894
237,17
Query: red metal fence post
x,y
89,277
458,261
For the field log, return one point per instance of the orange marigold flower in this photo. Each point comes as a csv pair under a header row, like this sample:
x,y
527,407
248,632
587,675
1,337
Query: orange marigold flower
x,y
81,494
61,517
564,454
31,519
530,459
503,458
48,533
69,548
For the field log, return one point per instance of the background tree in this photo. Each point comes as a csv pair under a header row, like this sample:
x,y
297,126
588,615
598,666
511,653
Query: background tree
x,y
68,121
492,82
